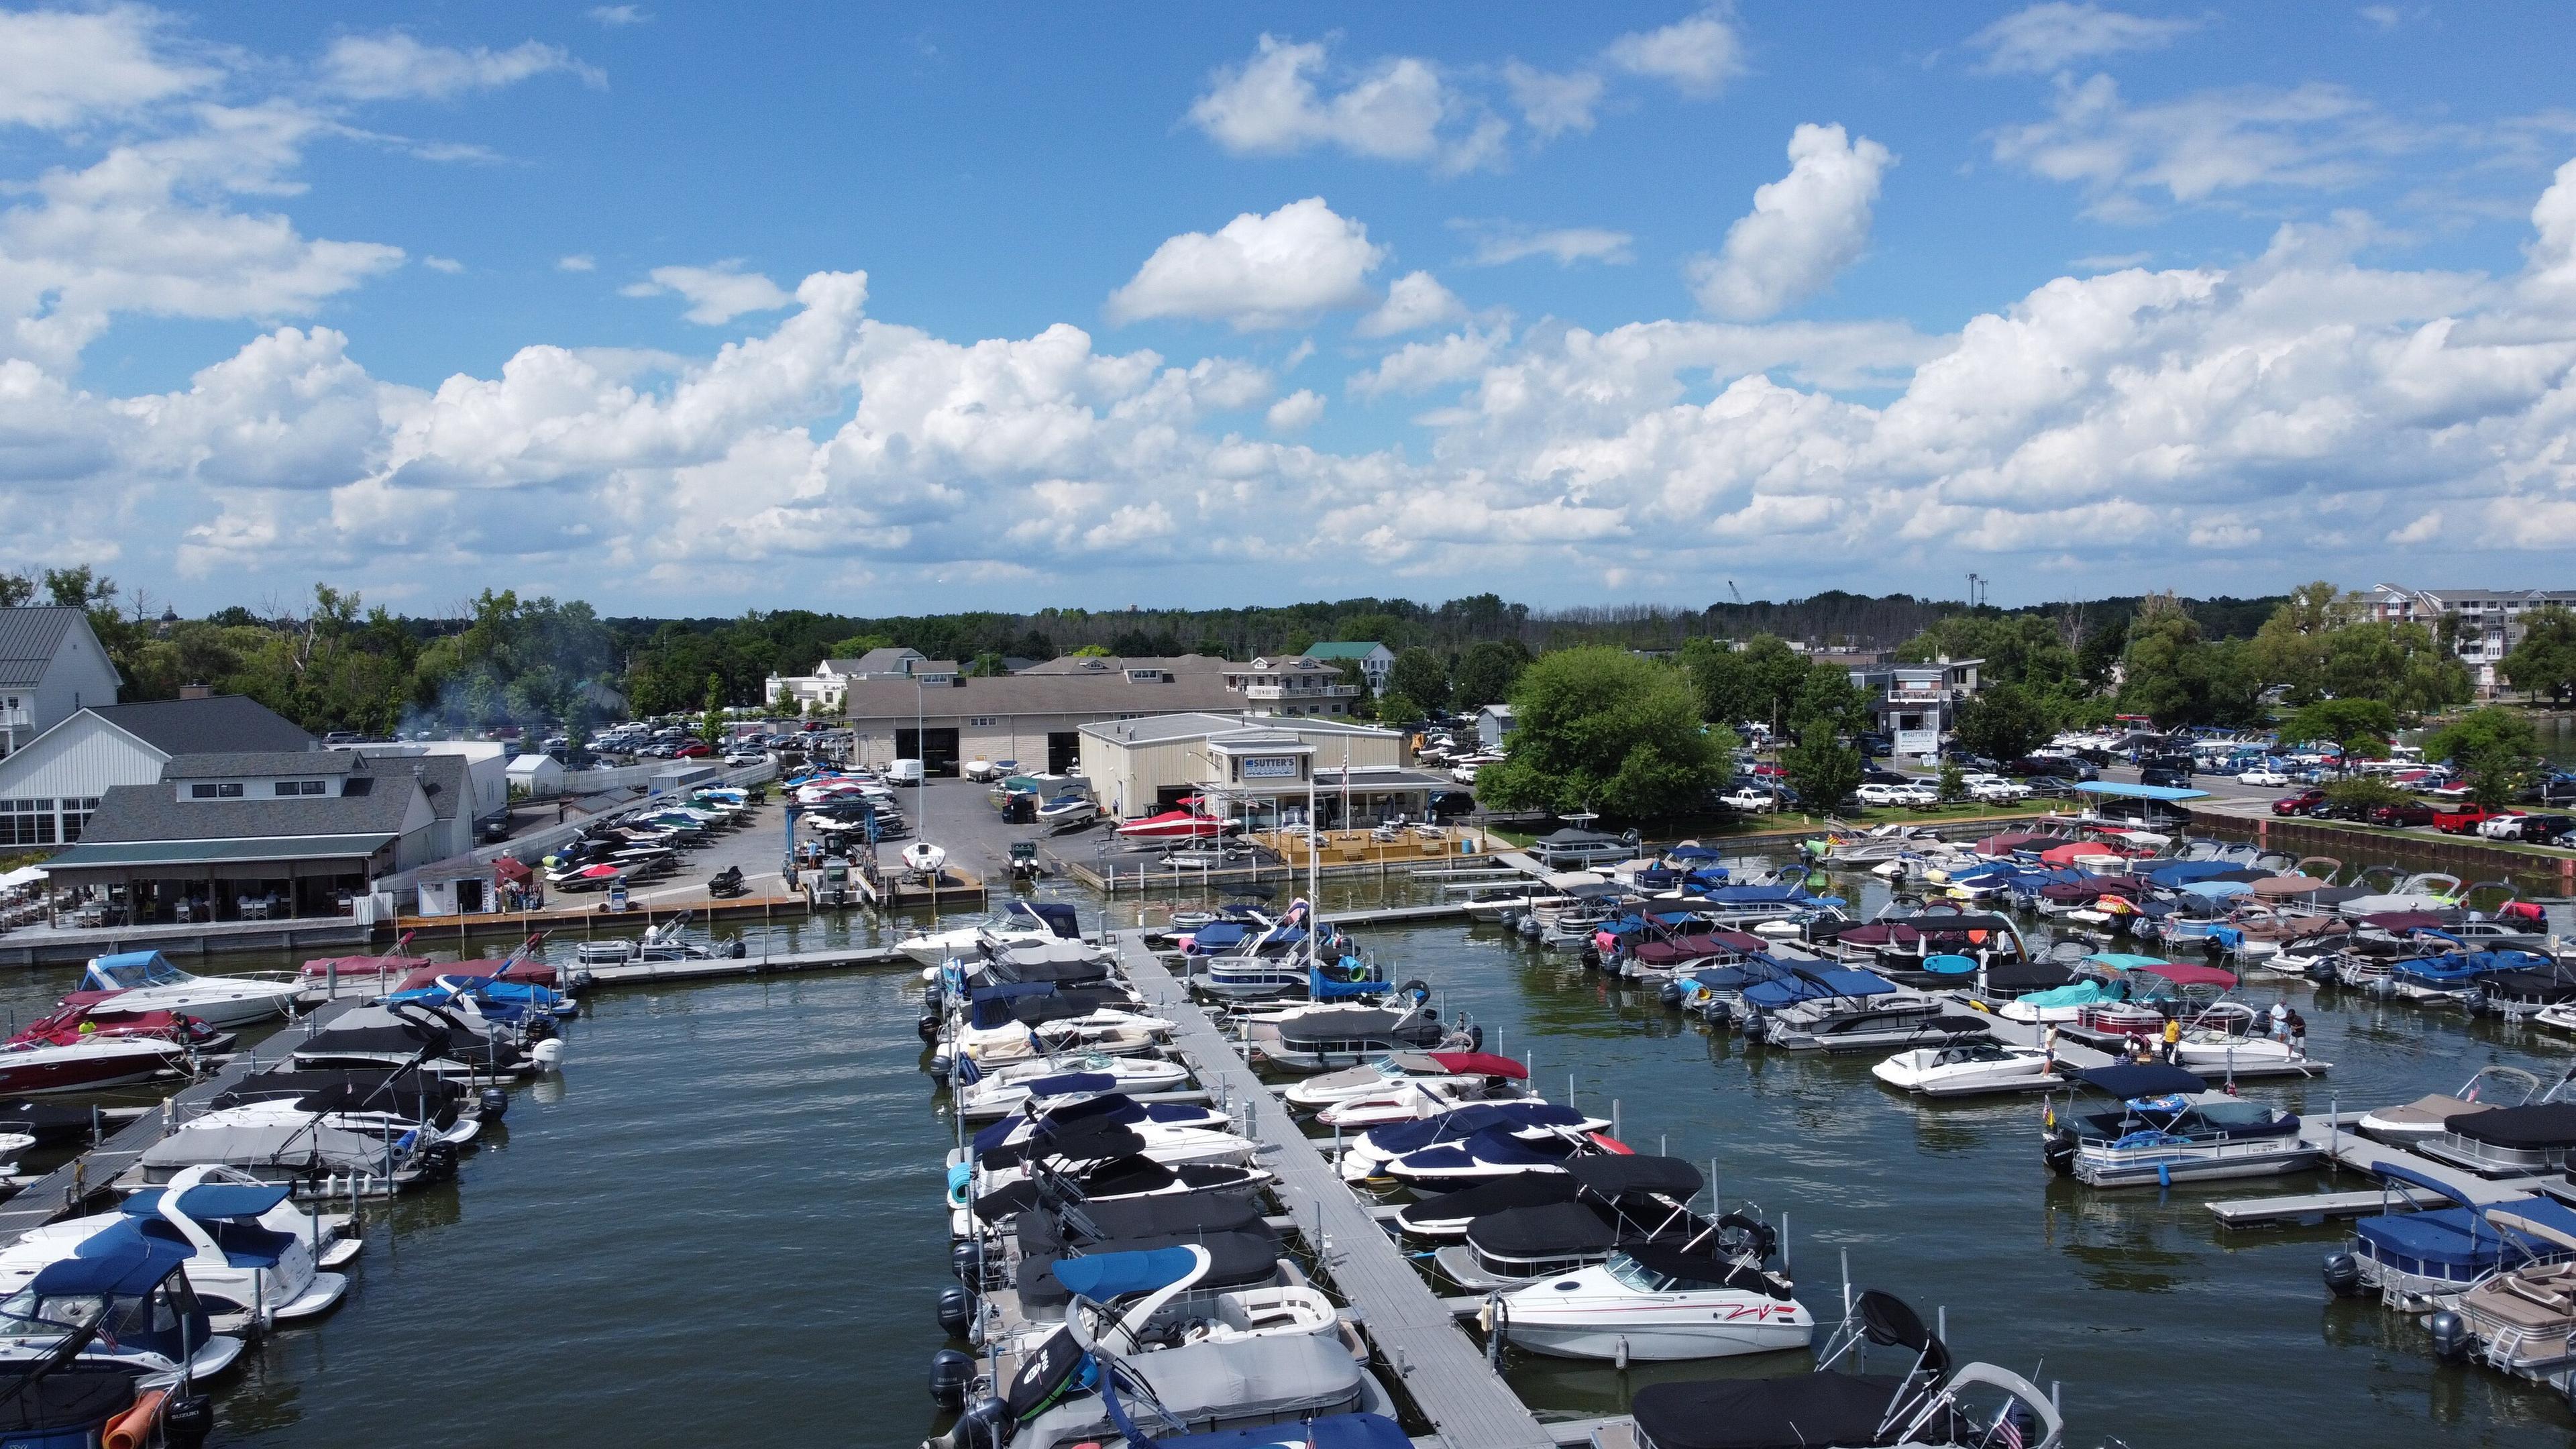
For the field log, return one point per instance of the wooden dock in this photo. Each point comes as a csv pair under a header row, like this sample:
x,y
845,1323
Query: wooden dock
x,y
2334,1134
644,973
1439,1367
70,1188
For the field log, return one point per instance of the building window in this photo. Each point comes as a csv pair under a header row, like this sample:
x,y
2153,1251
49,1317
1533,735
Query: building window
x,y
299,787
982,721
26,822
76,814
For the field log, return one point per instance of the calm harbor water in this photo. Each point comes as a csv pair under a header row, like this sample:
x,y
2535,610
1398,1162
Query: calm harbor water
x,y
722,1222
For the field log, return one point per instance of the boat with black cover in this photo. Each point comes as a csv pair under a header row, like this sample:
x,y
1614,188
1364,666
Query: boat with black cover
x,y
1617,1201
1928,1406
2508,1141
412,1036
1326,1038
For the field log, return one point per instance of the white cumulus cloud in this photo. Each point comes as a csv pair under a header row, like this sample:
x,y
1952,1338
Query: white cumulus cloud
x,y
1256,271
1296,412
1393,110
1552,102
716,295
1803,229
2050,37
577,262
60,68
397,64
1415,301
1697,55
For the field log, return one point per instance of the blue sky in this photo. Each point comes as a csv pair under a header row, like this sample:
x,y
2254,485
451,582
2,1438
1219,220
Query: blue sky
x,y
696,310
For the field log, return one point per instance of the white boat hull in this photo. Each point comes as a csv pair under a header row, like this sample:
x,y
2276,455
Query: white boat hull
x,y
1644,1337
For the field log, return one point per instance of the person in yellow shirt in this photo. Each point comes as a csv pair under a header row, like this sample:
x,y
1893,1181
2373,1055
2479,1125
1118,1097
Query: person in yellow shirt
x,y
2173,1039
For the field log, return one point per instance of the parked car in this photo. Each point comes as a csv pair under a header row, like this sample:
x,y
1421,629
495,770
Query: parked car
x,y
2548,829
1874,746
2502,825
2462,821
697,750
1884,795
2402,814
2299,804
1750,800
2265,776
737,759
2059,766
1996,791
2165,775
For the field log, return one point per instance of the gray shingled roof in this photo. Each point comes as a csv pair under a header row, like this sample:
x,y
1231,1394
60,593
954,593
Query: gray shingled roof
x,y
221,724
154,812
443,776
259,764
29,639
1097,664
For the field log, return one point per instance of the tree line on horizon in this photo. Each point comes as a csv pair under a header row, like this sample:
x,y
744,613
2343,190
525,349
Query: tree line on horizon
x,y
336,663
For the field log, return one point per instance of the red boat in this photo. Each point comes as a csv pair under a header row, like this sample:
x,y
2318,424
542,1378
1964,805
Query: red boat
x,y
86,1063
362,970
1183,823
88,1014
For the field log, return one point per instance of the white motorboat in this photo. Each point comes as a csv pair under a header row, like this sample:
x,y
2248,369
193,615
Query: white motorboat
x,y
1107,1031
2430,890
1404,1100
1656,1303
1163,1307
2222,1038
2421,1120
146,981
251,1256
923,858
1967,1068
1049,1080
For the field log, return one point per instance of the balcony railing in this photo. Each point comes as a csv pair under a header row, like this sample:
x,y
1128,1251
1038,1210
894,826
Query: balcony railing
x,y
1300,691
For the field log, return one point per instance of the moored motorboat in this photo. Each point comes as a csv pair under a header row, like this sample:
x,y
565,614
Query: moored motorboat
x,y
2487,1088
2420,1258
146,981
1966,1068
1659,1303
2171,1128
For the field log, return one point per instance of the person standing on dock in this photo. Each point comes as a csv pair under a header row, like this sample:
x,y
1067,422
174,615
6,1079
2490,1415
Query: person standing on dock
x,y
2173,1039
2281,1021
2048,1044
2298,1032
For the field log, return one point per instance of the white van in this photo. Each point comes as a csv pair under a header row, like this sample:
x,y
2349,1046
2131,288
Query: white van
x,y
903,772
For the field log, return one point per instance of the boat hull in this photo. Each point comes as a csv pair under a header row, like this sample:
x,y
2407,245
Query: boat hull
x,y
1656,1333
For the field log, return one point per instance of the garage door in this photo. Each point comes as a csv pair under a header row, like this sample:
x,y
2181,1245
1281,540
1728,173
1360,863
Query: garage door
x,y
1064,751
940,758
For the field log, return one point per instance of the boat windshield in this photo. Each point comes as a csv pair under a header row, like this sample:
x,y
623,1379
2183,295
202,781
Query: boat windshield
x,y
1636,1275
25,1315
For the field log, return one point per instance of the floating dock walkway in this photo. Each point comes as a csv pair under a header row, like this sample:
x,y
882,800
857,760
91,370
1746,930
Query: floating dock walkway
x,y
1439,1367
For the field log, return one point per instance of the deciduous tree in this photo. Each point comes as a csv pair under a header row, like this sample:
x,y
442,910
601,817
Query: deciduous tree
x,y
1602,729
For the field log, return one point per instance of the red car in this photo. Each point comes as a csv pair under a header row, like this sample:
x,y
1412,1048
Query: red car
x,y
2299,804
2462,821
696,750
2413,812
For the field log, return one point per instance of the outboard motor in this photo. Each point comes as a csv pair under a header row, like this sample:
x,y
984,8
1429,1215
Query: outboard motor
x,y
2343,1274
985,1425
966,1260
952,1374
2450,1336
186,1420
2057,1149
956,1311
1671,994
495,1103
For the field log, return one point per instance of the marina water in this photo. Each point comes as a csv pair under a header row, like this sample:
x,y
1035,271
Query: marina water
x,y
722,1223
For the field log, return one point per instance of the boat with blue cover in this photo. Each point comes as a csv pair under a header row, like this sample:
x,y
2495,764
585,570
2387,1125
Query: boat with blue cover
x,y
2169,1128
1367,1155
2418,1258
252,1257
132,1288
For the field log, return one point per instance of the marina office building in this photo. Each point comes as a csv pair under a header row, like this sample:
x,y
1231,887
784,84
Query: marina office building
x,y
1036,716
1256,768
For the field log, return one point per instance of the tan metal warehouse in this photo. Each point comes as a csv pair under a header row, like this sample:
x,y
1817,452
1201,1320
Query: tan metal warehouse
x,y
1139,766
